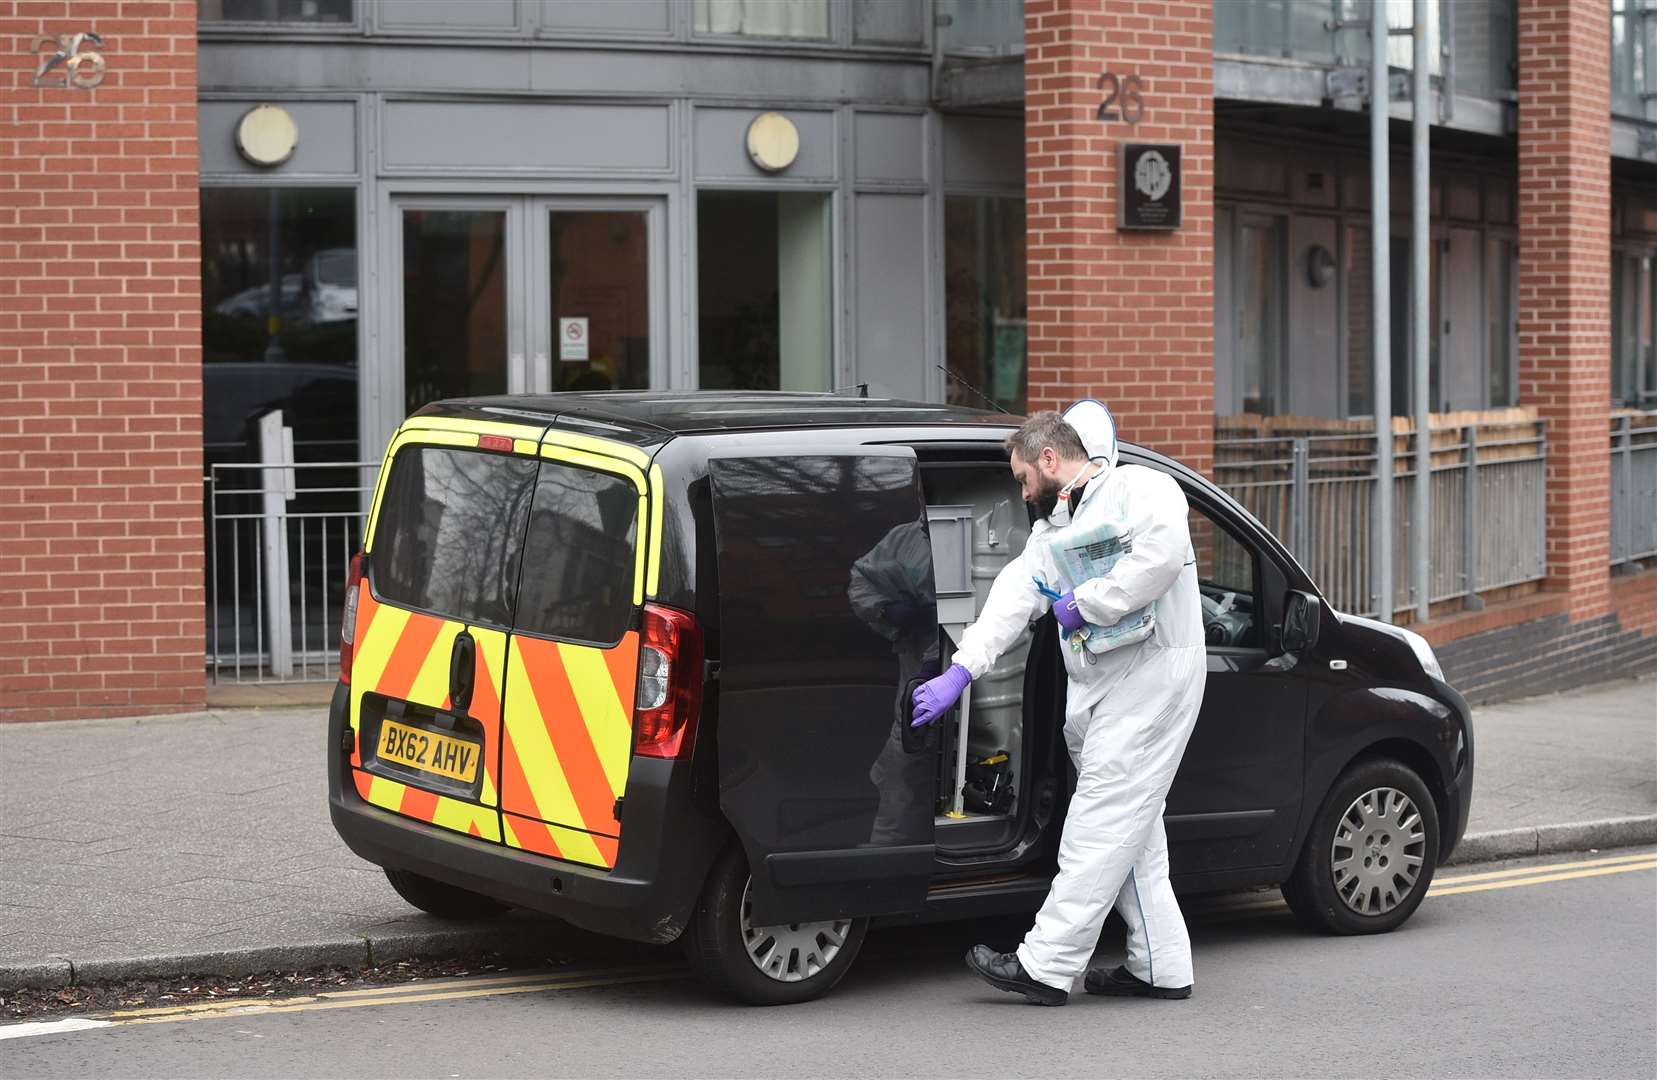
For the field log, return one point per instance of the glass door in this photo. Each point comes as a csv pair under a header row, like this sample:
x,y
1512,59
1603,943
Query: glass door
x,y
597,301
460,323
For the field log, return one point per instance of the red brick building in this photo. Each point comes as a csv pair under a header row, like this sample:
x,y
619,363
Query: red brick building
x,y
163,283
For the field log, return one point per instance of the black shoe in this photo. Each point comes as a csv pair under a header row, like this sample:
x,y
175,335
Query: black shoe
x,y
1121,983
1004,972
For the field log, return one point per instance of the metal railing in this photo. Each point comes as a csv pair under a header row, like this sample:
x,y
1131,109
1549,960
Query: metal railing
x,y
1633,487
1317,493
279,540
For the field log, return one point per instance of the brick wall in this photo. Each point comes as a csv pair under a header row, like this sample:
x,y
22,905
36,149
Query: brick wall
x,y
101,605
1124,317
1565,280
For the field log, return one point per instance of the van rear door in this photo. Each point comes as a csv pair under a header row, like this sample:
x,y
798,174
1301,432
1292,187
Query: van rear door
x,y
442,554
827,612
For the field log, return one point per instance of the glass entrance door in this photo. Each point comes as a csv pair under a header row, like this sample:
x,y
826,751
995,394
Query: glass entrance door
x,y
594,302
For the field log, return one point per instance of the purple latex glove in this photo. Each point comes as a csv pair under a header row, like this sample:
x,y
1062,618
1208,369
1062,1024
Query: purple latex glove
x,y
1068,614
937,696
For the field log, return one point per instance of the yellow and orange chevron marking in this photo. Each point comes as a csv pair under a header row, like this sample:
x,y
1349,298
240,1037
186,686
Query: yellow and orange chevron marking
x,y
440,810
569,739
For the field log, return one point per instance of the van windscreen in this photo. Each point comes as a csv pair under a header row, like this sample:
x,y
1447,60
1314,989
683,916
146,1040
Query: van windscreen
x,y
579,560
450,532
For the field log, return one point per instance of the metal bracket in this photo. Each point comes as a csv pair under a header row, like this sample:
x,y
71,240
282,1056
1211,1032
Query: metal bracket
x,y
1345,83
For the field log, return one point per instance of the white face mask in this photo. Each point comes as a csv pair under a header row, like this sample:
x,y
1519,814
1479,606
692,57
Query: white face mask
x,y
1061,509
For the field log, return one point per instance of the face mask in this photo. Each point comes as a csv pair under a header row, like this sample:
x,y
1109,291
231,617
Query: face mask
x,y
1055,507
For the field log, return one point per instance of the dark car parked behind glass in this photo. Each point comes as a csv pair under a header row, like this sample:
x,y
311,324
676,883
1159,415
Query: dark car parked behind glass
x,y
642,661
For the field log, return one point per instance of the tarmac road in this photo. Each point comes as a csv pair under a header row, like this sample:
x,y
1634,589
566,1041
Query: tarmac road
x,y
1534,968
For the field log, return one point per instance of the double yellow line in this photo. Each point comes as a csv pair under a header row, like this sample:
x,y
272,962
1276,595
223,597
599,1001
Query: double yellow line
x,y
1517,877
408,994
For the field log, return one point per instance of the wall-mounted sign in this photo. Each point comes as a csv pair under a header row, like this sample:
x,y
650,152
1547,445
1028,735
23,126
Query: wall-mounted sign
x,y
1148,186
267,135
572,339
773,141
69,63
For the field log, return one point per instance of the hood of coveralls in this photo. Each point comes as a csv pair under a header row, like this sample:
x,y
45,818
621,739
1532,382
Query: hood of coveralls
x,y
1093,422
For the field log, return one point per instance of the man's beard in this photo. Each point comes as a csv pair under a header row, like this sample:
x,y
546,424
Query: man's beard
x,y
1047,498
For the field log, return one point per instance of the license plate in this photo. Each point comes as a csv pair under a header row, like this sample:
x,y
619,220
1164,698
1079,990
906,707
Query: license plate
x,y
429,751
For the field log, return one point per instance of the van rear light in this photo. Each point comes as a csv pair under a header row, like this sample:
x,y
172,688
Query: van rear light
x,y
348,617
670,683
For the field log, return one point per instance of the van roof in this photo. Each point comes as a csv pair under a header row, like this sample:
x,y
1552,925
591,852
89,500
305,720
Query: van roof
x,y
685,412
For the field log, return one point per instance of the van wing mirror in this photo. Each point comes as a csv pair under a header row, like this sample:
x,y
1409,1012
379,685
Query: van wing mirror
x,y
1301,614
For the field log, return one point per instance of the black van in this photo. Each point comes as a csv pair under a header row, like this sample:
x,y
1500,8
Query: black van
x,y
643,661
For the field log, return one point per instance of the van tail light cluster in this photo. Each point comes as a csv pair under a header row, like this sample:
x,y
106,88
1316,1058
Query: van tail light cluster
x,y
670,683
348,618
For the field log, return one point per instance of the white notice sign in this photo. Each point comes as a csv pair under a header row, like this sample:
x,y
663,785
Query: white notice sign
x,y
572,339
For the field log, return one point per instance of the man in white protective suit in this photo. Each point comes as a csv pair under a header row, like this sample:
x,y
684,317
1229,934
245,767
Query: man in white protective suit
x,y
1129,710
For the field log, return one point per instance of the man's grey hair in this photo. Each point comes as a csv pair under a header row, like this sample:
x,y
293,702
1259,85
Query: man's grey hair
x,y
1042,430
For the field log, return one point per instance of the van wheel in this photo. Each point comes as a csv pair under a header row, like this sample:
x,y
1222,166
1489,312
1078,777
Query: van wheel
x,y
1370,856
764,965
440,898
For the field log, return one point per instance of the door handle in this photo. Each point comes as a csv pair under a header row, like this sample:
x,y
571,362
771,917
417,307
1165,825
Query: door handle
x,y
462,671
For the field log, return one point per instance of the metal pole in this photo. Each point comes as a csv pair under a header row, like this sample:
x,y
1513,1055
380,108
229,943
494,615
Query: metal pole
x,y
1381,308
1420,513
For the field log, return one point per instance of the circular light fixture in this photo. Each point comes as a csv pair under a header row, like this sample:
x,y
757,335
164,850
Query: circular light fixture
x,y
773,141
267,135
1320,266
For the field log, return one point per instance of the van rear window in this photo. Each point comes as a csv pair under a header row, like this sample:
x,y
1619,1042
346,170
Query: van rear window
x,y
578,561
450,532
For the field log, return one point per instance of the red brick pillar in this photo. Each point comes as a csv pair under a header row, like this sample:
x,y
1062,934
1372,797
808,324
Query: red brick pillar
x,y
101,583
1124,317
1565,280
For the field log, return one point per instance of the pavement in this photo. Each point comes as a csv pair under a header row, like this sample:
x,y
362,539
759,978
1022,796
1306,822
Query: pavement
x,y
154,847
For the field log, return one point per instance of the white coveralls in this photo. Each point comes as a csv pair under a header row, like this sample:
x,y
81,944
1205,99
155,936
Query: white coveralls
x,y
1128,716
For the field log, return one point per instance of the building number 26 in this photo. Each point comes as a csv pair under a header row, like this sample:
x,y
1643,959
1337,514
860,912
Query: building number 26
x,y
1123,98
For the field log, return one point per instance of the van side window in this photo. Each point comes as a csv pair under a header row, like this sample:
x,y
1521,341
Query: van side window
x,y
578,560
450,532
1228,577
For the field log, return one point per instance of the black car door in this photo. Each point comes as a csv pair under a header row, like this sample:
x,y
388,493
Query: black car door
x,y
827,613
1236,798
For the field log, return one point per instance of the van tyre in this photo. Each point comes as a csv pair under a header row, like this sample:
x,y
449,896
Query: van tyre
x,y
1369,859
781,965
440,898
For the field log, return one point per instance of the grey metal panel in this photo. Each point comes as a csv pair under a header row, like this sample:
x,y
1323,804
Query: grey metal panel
x,y
983,151
490,136
621,16
890,147
890,22
425,15
889,275
327,139
966,84
764,76
722,147
1314,322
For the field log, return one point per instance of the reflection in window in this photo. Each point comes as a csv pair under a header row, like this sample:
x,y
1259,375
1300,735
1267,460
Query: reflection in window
x,y
984,300
284,11
1226,575
763,315
279,319
579,558
1260,285
600,272
763,18
454,304
450,532
1498,310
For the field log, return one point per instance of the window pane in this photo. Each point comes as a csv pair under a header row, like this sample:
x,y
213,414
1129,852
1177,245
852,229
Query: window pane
x,y
1498,311
302,359
1259,286
600,272
579,558
450,532
454,304
763,291
301,11
763,18
984,301
1226,576
1360,299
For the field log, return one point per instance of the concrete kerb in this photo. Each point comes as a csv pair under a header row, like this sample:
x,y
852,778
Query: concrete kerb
x,y
519,940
